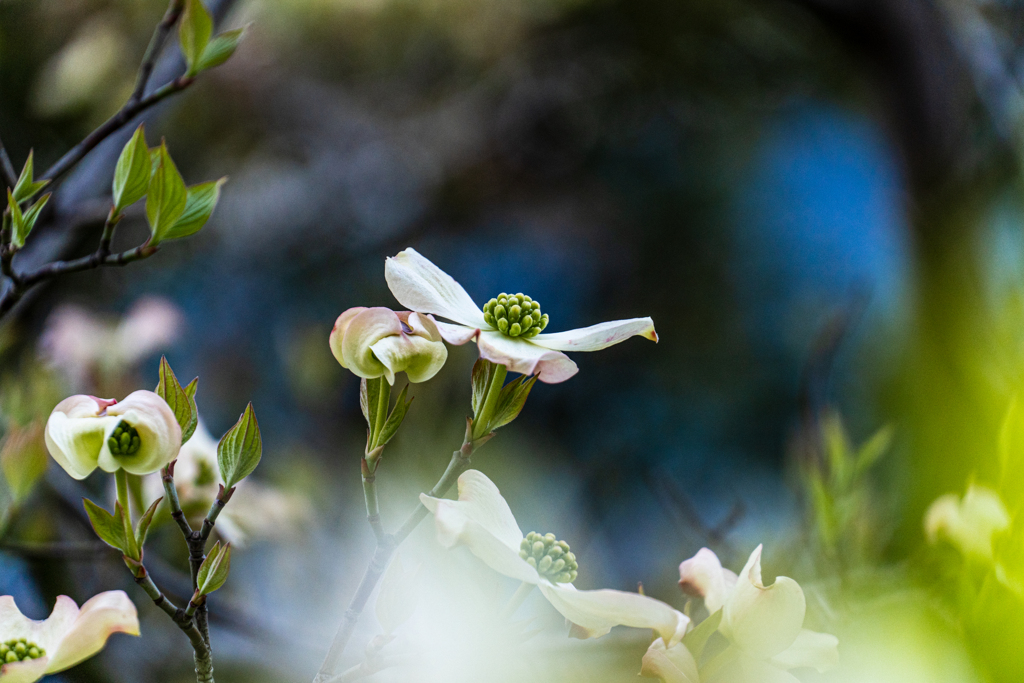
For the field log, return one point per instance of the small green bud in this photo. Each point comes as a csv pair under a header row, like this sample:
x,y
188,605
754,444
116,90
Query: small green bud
x,y
11,657
515,315
549,556
20,650
124,440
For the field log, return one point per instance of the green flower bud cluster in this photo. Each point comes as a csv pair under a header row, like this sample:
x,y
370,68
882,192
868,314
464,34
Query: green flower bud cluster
x,y
17,649
125,440
516,315
551,558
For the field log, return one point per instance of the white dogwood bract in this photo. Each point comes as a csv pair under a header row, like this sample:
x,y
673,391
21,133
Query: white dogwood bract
x,y
379,342
765,623
419,285
968,523
79,429
68,636
481,520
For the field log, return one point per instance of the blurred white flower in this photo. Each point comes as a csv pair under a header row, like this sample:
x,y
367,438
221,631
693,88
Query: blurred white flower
x,y
31,649
968,523
80,343
507,337
764,623
482,521
671,663
256,510
140,434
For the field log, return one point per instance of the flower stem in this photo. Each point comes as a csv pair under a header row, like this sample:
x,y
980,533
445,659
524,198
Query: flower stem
x,y
383,403
132,548
517,599
386,545
481,422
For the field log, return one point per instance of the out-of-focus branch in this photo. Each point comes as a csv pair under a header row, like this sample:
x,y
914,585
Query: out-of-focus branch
x,y
156,44
127,113
7,172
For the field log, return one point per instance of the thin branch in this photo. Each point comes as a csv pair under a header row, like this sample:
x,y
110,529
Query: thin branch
x,y
386,546
7,172
156,44
171,493
129,111
223,496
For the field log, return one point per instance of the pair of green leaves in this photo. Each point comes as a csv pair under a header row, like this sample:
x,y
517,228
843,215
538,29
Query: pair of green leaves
x,y
113,529
203,51
172,209
27,187
510,401
382,420
239,450
214,570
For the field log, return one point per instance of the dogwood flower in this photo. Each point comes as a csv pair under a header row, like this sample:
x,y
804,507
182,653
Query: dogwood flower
x,y
87,346
764,623
507,330
256,511
31,649
968,523
482,521
140,434
376,342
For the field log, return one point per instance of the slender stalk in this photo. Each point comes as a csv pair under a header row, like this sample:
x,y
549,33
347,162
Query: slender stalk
x,y
129,111
383,403
481,421
517,599
7,172
223,496
121,477
200,646
386,545
372,505
171,493
156,44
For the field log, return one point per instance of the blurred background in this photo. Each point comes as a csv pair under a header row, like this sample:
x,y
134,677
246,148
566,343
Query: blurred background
x,y
818,202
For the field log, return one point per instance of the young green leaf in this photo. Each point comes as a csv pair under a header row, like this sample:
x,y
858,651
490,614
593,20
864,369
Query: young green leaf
x,y
110,528
697,639
167,197
142,528
23,458
394,420
200,202
196,29
22,223
191,388
27,187
483,371
131,176
240,450
182,405
511,401
220,49
214,570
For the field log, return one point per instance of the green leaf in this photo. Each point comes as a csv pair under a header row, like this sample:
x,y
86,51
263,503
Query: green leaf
x,y
167,197
214,570
142,528
483,370
110,528
368,400
240,450
27,187
182,405
874,448
23,458
196,29
191,389
200,202
220,49
395,419
132,174
22,223
511,401
697,639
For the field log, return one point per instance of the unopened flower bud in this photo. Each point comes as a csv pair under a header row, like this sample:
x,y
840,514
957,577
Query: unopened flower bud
x,y
379,342
140,434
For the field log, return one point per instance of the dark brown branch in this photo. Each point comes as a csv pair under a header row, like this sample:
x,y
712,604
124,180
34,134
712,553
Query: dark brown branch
x,y
156,44
7,172
128,112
